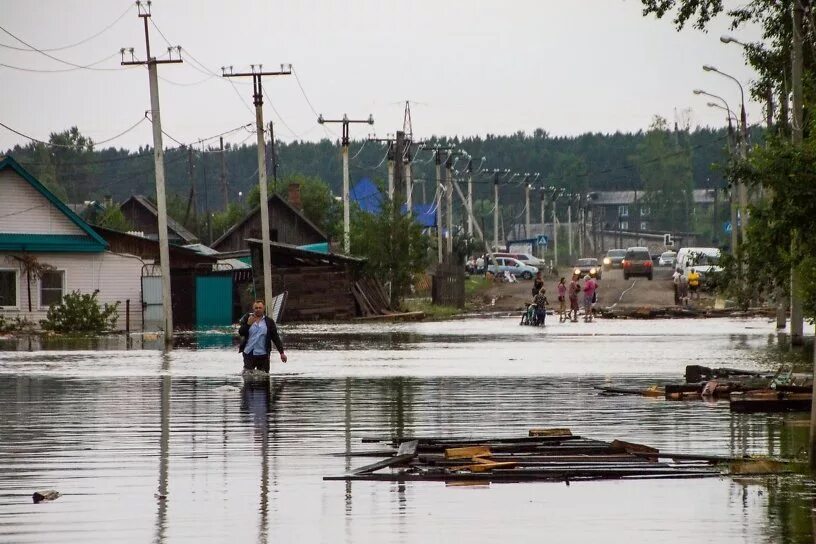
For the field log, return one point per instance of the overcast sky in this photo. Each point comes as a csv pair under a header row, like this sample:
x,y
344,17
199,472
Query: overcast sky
x,y
469,67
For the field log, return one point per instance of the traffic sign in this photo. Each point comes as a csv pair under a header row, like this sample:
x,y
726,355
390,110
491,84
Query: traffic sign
x,y
542,240
727,227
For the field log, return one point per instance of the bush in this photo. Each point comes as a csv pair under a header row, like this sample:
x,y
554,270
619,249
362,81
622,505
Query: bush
x,y
17,324
78,313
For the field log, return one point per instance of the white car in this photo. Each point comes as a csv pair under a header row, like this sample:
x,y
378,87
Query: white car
x,y
667,258
514,266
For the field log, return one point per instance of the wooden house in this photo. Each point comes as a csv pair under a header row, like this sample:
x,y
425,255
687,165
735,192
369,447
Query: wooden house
x,y
143,215
36,227
287,225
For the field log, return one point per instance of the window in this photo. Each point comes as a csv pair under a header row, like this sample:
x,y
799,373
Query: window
x,y
51,287
624,225
8,289
645,211
644,225
623,211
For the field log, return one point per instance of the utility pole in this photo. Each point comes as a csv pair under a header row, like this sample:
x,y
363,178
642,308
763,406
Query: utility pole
x,y
344,142
527,188
274,156
569,224
797,134
391,158
555,193
495,208
470,197
449,203
206,193
158,159
438,166
257,98
192,195
224,175
409,182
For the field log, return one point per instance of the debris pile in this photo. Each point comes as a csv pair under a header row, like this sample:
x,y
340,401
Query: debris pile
x,y
546,454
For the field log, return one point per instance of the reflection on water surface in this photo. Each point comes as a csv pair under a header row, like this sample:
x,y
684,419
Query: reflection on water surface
x,y
169,447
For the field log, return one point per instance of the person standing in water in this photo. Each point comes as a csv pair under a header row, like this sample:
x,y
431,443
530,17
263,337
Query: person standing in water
x,y
538,283
562,300
258,332
574,290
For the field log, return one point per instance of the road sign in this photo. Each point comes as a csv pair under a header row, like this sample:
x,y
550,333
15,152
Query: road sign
x,y
542,240
667,240
727,227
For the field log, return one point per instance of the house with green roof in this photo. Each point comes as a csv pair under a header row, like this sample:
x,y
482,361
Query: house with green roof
x,y
36,226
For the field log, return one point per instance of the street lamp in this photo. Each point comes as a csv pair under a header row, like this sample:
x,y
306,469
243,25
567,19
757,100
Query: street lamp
x,y
709,68
720,98
725,38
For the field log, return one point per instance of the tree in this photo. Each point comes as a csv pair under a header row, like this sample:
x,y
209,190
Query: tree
x,y
665,168
32,269
393,245
113,218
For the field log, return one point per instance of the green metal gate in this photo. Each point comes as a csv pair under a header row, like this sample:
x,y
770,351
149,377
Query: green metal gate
x,y
213,301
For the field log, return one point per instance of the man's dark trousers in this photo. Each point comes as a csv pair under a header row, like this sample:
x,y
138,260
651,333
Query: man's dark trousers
x,y
256,362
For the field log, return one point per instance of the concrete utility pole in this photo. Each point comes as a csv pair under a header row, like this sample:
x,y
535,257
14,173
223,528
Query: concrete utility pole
x,y
401,148
527,188
257,96
469,204
438,167
158,159
555,194
224,175
569,224
344,142
449,203
495,208
390,165
409,183
797,135
479,230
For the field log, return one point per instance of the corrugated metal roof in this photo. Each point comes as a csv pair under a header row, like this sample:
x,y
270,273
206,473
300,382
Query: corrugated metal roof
x,y
42,243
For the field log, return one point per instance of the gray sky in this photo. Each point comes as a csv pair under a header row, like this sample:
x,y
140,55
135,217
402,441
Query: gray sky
x,y
470,67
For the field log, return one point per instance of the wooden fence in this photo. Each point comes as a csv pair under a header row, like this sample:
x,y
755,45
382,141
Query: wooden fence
x,y
448,286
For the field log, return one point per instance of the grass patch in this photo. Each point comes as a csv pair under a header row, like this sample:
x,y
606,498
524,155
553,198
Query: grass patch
x,y
476,284
431,311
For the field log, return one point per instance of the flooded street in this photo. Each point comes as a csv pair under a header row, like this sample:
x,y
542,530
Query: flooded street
x,y
152,447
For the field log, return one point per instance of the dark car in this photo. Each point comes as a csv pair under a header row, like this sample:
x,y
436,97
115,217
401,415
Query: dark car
x,y
637,262
586,266
614,258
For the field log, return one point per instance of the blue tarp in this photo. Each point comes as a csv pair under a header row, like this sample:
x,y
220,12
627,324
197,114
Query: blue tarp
x,y
366,194
320,247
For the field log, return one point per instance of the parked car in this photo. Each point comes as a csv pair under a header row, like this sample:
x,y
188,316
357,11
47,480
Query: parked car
x,y
637,262
704,260
514,266
614,258
525,258
667,258
589,265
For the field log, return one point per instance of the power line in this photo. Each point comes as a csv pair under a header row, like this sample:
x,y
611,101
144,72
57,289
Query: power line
x,y
33,139
60,70
80,42
295,134
40,51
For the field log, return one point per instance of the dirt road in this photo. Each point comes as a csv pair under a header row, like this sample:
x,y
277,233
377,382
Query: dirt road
x,y
613,291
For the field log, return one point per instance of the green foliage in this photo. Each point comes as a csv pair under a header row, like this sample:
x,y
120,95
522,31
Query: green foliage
x,y
393,245
17,324
319,204
113,218
82,314
665,168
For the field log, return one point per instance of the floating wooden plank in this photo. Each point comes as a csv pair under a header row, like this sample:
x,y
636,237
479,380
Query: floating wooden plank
x,y
467,452
408,448
632,447
483,465
395,461
538,433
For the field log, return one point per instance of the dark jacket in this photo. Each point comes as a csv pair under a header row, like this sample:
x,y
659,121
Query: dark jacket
x,y
271,334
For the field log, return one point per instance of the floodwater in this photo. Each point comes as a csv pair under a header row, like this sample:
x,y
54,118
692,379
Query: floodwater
x,y
152,447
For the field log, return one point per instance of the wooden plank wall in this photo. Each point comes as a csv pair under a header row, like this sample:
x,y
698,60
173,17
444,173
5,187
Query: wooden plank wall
x,y
315,292
448,287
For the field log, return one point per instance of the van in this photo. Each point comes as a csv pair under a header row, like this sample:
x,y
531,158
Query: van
x,y
703,259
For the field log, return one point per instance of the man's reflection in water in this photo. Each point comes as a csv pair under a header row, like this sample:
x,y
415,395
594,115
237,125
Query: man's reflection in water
x,y
258,400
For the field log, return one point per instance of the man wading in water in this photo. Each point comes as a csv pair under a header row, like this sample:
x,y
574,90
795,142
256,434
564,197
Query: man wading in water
x,y
258,332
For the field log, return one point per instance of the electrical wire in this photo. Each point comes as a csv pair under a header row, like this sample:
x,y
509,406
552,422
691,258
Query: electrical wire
x,y
85,40
309,102
50,56
281,119
139,122
60,70
359,150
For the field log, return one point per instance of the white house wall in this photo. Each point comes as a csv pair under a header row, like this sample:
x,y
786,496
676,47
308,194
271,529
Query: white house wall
x,y
23,209
117,277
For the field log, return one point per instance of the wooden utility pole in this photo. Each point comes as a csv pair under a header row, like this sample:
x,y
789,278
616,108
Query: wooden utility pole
x,y
495,208
527,188
469,204
257,96
274,153
449,204
438,166
191,197
344,142
224,174
158,159
207,212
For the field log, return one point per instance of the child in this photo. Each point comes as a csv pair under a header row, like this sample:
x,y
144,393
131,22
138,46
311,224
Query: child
x,y
562,300
541,307
574,289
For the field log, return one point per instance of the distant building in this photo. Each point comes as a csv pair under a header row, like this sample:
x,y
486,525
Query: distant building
x,y
627,211
144,217
287,225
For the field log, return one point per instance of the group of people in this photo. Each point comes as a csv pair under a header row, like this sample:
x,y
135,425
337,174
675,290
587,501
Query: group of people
x,y
574,292
685,287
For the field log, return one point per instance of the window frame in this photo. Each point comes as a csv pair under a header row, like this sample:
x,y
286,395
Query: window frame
x,y
623,210
624,225
16,288
644,225
40,289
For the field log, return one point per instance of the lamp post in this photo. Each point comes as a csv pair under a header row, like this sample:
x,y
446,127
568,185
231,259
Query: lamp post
x,y
731,144
743,148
